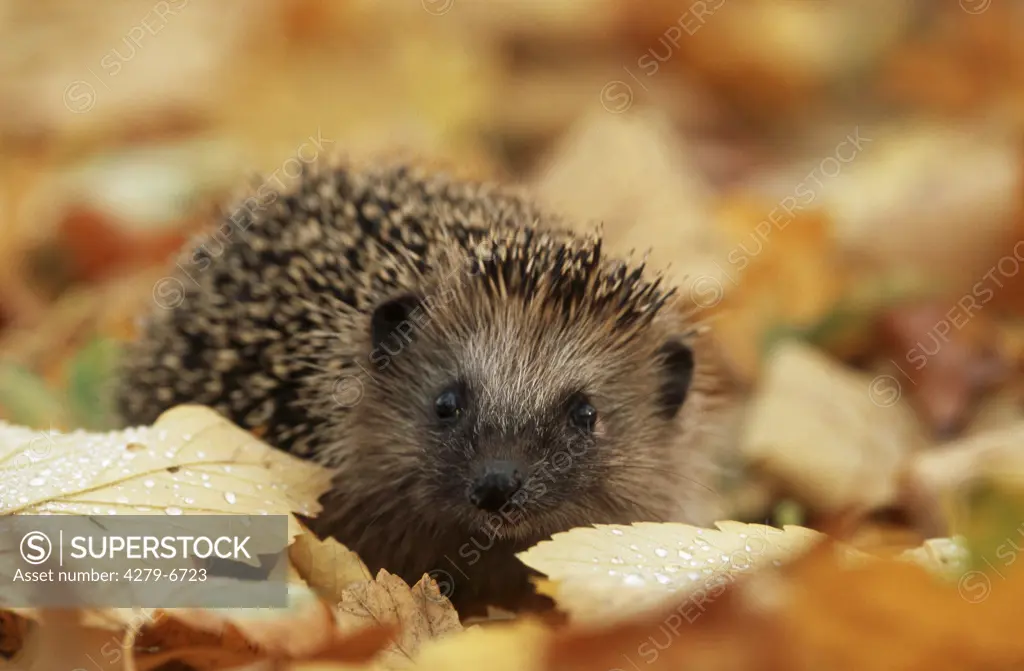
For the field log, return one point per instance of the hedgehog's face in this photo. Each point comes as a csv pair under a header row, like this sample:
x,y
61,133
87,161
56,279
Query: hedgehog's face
x,y
521,427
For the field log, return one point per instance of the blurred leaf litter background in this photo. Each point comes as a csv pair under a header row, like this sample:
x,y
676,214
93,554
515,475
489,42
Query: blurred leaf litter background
x,y
842,173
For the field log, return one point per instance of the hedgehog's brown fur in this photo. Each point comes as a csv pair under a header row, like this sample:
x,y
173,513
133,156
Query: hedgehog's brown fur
x,y
280,330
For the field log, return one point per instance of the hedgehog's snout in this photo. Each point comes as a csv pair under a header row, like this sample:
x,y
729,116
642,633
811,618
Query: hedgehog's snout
x,y
495,485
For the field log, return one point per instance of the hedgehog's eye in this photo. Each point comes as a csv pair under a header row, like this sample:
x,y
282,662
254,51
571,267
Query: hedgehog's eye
x,y
582,414
449,405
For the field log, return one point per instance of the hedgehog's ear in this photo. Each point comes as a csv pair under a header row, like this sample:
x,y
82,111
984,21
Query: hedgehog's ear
x,y
393,319
676,360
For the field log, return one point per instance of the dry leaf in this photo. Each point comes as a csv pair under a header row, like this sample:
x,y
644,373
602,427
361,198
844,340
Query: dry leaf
x,y
649,191
904,188
170,639
819,613
514,647
420,613
191,461
946,358
834,438
302,630
213,639
62,639
612,571
781,271
936,481
327,566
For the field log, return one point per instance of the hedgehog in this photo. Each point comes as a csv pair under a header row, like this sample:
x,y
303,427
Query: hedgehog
x,y
477,374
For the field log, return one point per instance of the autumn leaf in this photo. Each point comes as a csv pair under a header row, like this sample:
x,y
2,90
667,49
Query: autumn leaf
x,y
62,639
818,613
781,271
208,638
327,566
649,192
610,571
420,613
191,461
835,439
518,646
937,483
942,369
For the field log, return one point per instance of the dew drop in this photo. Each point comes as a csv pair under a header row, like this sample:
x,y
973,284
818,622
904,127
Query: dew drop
x,y
683,554
661,552
148,483
36,482
633,580
617,560
230,497
693,575
173,510
662,578
616,532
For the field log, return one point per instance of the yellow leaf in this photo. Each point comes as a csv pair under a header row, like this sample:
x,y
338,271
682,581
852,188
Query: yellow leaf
x,y
514,647
835,439
421,613
327,566
305,627
191,461
610,571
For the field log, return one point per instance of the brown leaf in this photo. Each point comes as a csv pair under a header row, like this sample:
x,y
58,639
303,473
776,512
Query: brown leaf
x,y
832,437
781,271
820,613
945,356
936,480
63,639
420,613
327,566
303,629
215,639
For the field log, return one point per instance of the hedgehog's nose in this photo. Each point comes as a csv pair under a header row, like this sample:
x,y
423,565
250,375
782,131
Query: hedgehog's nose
x,y
495,486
